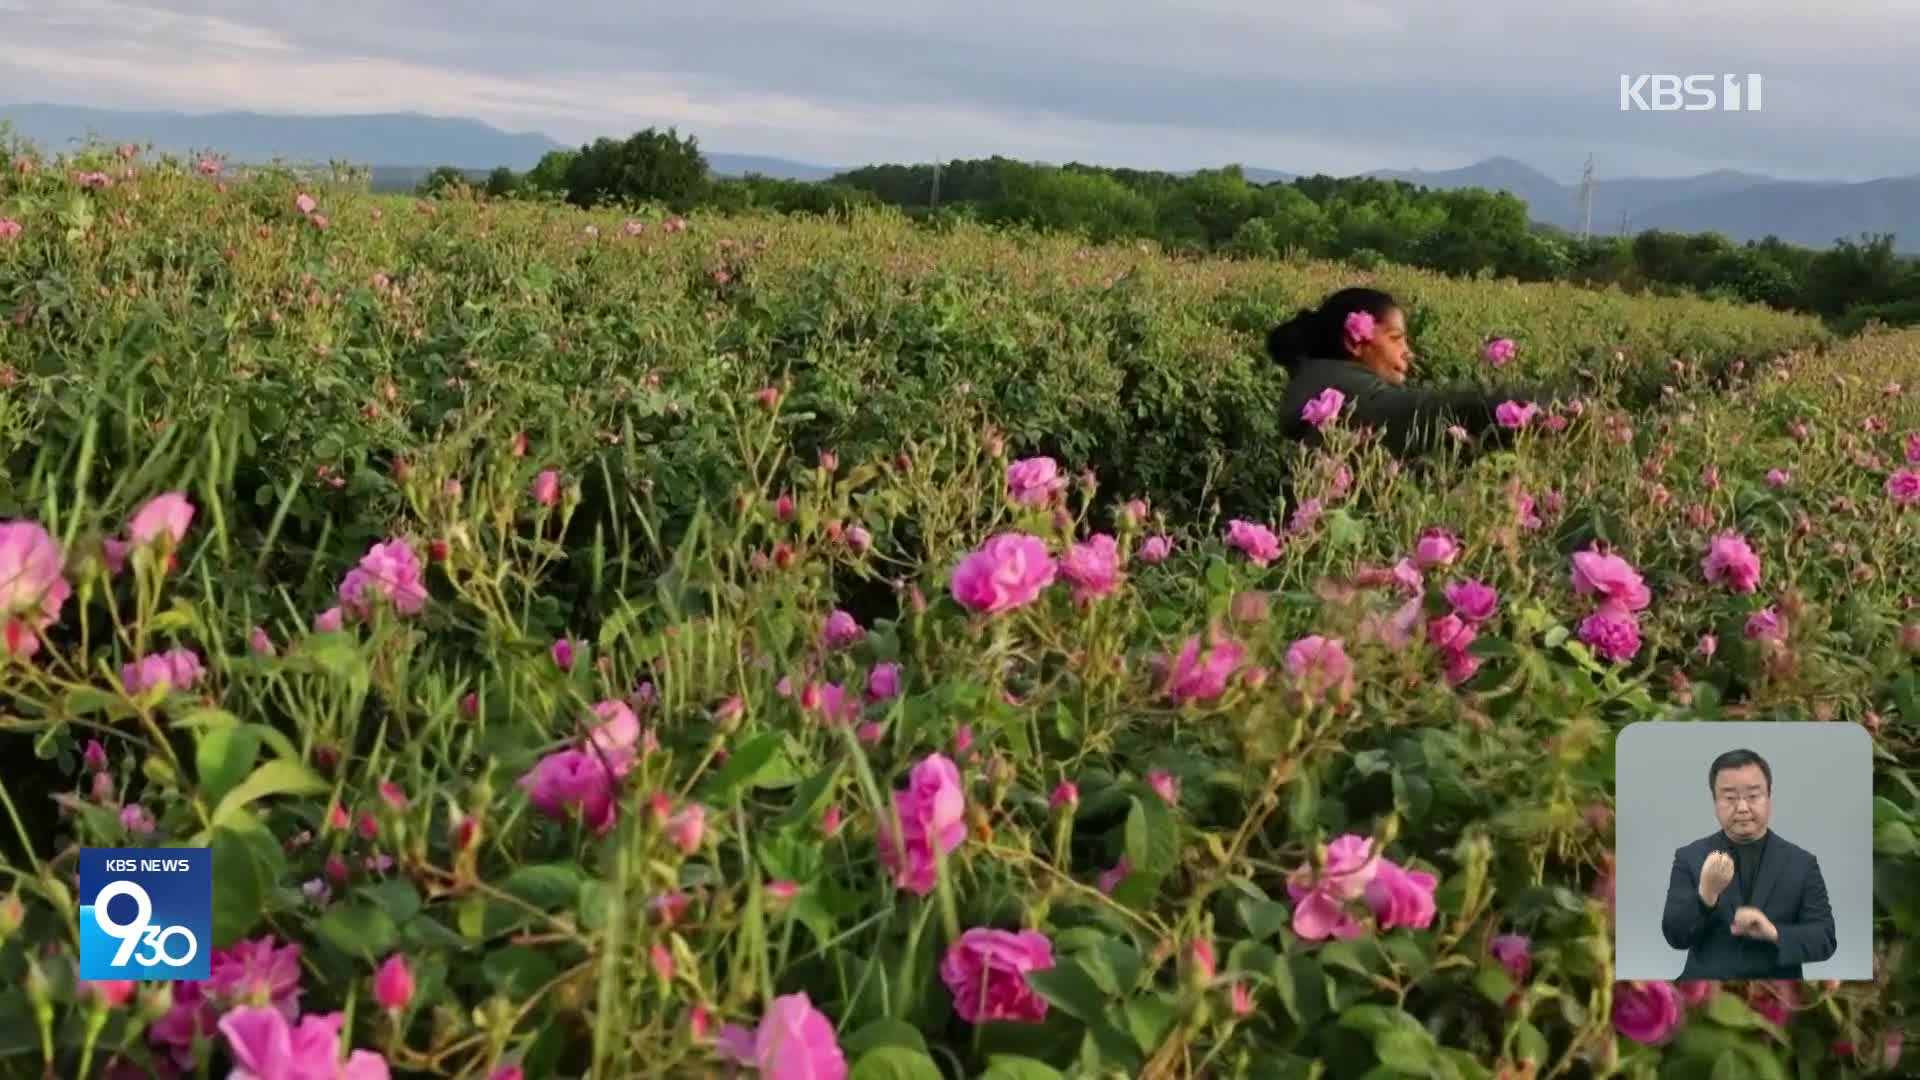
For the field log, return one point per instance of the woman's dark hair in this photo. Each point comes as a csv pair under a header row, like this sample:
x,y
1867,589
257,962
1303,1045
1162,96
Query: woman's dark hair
x,y
1322,331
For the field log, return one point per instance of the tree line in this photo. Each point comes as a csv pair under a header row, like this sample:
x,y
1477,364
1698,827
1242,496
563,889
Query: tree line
x,y
1363,221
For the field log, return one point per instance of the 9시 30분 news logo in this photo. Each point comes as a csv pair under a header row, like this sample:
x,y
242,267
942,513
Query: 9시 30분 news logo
x,y
146,913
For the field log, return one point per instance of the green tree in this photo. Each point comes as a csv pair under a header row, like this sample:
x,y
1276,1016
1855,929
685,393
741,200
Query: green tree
x,y
648,166
502,182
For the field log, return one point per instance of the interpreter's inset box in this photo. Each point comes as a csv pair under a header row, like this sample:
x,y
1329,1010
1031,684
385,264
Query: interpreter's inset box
x,y
1743,850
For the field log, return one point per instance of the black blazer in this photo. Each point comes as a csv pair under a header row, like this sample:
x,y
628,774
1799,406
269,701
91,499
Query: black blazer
x,y
1789,890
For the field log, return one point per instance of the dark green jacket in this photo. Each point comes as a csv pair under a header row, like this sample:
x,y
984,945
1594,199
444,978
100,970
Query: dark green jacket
x,y
1411,420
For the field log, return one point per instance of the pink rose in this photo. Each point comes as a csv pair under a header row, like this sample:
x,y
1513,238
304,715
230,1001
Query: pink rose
x,y
1499,351
1513,414
178,668
794,1041
1155,549
1401,897
841,630
1436,547
569,781
33,588
1319,910
1033,481
1473,601
883,682
169,514
1765,625
1612,632
1319,664
1257,541
1609,576
1009,570
1731,561
930,812
1647,1012
1093,568
390,571
1515,953
1195,676
546,488
1324,407
985,971
1903,487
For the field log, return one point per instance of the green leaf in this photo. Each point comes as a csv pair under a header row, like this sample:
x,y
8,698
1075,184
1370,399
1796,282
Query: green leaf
x,y
743,767
250,863
1151,836
518,971
1264,918
361,930
1895,838
1014,1067
545,885
223,756
397,897
1398,1039
1148,1018
881,1033
1067,986
277,777
1728,1010
895,1063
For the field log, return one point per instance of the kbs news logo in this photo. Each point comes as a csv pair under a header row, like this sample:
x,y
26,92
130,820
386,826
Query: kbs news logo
x,y
1666,93
146,913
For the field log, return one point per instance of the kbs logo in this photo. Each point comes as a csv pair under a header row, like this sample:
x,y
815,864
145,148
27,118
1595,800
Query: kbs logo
x,y
146,913
1689,93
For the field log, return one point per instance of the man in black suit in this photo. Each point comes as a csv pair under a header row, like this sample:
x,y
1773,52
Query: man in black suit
x,y
1742,901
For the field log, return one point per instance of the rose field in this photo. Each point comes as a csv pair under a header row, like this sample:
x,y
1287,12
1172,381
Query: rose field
x,y
611,644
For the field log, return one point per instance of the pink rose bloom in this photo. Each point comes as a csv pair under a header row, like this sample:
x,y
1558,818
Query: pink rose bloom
x,y
1903,487
546,488
1609,576
328,621
1913,448
1729,560
1523,513
1697,991
1515,953
1612,632
1436,547
9,228
1459,666
1165,785
1319,664
178,668
1319,907
1450,633
1093,568
883,682
1407,577
1009,570
575,780
794,1041
393,983
266,1046
841,630
986,972
1305,515
1513,414
1202,677
1033,481
305,203
1155,549
859,539
1257,541
687,827
1765,625
1779,478
1324,407
619,734
169,514
1499,351
930,811
1401,897
32,586
390,570
1473,601
1647,1012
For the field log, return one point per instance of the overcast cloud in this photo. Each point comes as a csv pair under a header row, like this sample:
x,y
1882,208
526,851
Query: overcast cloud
x,y
1303,87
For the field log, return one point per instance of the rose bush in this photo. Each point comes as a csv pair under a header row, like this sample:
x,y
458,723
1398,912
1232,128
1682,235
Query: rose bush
x,y
530,743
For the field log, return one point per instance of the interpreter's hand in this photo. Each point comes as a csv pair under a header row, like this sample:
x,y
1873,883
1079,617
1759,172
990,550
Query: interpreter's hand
x,y
1715,875
1751,922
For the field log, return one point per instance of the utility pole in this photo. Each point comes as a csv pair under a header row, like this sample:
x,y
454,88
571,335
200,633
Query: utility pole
x,y
1586,201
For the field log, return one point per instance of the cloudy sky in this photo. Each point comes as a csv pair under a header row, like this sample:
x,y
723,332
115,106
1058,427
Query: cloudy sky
x,y
1299,85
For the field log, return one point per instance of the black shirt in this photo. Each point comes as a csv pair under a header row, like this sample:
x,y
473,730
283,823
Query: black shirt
x,y
1747,857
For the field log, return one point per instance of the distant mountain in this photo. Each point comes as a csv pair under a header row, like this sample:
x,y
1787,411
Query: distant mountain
x,y
259,138
1744,206
403,147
